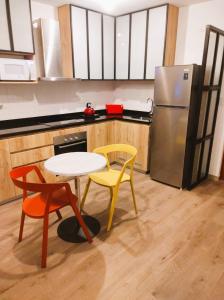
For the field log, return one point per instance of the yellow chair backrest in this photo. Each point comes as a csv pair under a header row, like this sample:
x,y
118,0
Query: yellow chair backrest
x,y
105,150
116,148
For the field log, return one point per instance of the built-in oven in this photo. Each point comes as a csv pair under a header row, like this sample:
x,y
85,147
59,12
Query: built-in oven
x,y
76,142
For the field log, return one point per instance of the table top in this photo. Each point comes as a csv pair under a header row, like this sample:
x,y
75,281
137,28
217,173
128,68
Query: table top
x,y
75,163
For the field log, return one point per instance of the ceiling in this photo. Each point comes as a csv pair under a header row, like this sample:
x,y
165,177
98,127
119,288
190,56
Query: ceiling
x,y
116,7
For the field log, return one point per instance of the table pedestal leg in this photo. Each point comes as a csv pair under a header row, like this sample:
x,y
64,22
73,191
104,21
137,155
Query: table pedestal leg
x,y
77,190
69,230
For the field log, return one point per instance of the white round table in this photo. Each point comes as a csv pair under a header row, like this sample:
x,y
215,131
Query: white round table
x,y
76,164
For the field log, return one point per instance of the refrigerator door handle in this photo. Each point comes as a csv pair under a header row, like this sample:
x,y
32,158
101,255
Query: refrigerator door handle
x,y
172,106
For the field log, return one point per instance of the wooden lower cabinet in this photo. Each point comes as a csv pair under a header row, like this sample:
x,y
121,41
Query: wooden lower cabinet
x,y
99,135
136,135
32,141
34,149
31,156
7,189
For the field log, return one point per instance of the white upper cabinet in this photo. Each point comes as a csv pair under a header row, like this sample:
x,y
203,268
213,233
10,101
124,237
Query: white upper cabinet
x,y
122,46
126,47
138,41
79,38
22,33
108,47
95,44
156,39
4,36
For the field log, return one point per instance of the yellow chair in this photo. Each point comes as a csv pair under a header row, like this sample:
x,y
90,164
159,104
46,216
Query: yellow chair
x,y
113,178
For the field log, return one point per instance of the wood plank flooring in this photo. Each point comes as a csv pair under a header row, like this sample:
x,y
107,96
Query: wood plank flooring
x,y
173,250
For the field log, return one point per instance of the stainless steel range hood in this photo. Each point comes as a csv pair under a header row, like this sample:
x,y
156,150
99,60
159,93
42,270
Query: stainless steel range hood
x,y
48,54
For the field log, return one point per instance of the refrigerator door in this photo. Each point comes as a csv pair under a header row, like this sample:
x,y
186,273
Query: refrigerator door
x,y
168,141
173,85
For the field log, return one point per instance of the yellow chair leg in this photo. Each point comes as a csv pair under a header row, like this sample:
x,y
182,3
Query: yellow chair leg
x,y
111,197
111,194
112,207
133,196
85,194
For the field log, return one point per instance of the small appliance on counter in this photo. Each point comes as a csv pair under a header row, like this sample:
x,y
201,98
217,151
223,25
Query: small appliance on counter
x,y
114,109
89,111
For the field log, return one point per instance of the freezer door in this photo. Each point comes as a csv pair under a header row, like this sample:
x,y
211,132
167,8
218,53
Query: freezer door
x,y
173,85
168,142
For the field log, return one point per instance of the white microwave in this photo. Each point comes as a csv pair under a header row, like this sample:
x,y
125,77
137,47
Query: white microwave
x,y
17,69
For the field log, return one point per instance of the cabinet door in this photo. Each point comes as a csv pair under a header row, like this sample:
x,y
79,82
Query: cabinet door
x,y
122,46
138,40
4,36
79,38
7,189
95,44
98,135
136,135
156,39
22,32
108,47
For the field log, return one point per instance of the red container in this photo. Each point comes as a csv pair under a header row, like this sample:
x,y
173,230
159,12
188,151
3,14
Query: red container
x,y
114,109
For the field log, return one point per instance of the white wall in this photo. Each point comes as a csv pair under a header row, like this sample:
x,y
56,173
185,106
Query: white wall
x,y
40,10
23,100
190,43
133,94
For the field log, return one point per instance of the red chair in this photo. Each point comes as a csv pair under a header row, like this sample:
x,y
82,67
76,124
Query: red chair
x,y
50,198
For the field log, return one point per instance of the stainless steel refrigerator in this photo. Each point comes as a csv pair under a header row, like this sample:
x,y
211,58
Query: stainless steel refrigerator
x,y
175,96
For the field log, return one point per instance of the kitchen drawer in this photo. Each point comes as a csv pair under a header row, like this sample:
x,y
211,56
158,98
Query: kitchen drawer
x,y
32,141
31,156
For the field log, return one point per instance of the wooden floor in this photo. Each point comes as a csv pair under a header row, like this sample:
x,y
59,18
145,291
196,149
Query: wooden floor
x,y
173,250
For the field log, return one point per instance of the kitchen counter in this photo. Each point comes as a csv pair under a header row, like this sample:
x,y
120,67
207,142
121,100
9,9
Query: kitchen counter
x,y
24,126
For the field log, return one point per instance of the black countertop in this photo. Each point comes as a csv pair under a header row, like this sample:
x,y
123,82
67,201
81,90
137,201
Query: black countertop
x,y
10,128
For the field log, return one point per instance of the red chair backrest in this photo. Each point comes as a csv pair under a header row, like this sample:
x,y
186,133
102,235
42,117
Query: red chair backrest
x,y
42,187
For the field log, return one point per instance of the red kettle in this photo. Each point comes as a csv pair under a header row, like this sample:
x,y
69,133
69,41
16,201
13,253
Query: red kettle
x,y
89,110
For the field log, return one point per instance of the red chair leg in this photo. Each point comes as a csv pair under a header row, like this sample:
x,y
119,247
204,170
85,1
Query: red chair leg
x,y
81,222
59,214
44,243
21,227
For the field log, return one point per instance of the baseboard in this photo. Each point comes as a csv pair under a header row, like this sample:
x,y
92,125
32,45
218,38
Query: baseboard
x,y
214,178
